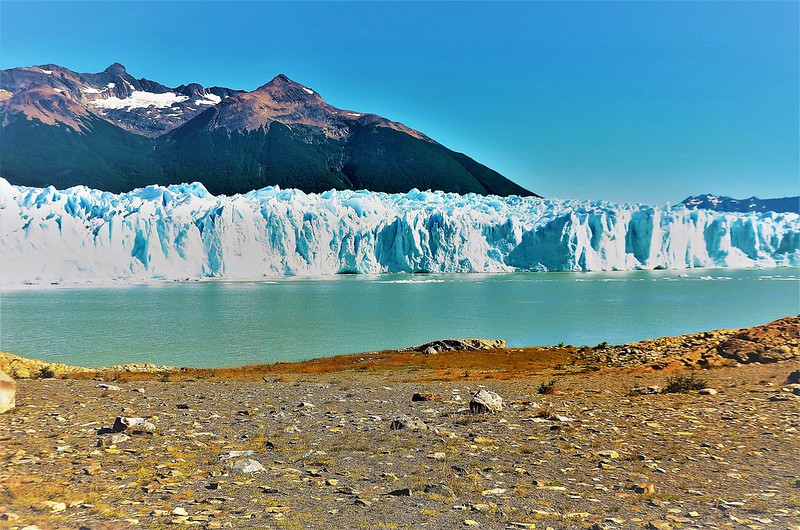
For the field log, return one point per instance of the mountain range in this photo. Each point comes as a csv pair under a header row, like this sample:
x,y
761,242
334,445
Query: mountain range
x,y
113,132
753,204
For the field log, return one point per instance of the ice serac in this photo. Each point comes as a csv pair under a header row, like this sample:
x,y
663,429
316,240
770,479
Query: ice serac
x,y
181,232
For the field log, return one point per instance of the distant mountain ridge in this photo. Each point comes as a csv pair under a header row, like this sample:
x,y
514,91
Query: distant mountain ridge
x,y
753,204
111,131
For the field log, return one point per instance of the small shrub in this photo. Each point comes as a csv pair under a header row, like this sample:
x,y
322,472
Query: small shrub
x,y
45,372
547,388
680,384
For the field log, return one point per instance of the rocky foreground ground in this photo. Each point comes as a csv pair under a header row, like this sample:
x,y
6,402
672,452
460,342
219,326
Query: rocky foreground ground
x,y
699,431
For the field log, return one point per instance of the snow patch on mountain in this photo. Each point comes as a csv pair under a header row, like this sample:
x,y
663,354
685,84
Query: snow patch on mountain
x,y
140,99
208,99
180,232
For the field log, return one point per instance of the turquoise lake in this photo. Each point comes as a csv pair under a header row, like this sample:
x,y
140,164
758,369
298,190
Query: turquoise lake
x,y
219,323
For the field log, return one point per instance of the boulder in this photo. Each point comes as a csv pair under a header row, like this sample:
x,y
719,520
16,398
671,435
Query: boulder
x,y
8,392
773,342
438,346
485,401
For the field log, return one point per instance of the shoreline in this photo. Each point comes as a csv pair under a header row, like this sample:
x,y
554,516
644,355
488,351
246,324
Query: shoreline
x,y
703,349
44,285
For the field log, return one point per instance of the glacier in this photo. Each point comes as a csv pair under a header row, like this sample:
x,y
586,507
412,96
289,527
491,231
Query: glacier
x,y
183,232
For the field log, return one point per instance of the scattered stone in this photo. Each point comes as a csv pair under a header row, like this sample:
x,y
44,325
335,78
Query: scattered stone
x,y
106,386
608,453
402,492
440,489
132,425
180,511
645,489
485,401
708,392
493,492
794,377
234,454
118,438
418,396
8,391
646,390
407,422
52,506
470,522
277,509
92,469
659,525
246,465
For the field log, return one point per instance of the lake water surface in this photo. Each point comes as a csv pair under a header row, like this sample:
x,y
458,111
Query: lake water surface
x,y
222,323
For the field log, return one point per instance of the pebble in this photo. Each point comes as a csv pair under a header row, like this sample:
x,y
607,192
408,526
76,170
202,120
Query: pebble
x,y
407,422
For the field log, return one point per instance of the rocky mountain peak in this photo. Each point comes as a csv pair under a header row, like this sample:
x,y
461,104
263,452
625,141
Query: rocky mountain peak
x,y
116,69
283,85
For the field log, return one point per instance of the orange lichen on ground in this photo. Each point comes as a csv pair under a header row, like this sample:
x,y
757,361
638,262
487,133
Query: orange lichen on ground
x,y
506,363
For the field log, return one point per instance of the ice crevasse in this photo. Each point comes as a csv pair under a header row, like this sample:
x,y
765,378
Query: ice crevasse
x,y
182,231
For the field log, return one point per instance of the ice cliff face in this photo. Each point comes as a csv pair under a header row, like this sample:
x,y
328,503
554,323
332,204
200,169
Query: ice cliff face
x,y
183,232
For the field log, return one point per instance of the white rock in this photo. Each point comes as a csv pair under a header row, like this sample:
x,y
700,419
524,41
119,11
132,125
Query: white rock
x,y
132,424
8,392
485,401
246,465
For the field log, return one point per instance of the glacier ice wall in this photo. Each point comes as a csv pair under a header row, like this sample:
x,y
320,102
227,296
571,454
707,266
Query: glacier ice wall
x,y
180,232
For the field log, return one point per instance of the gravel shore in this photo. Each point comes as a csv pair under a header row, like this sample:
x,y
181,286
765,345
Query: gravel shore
x,y
650,435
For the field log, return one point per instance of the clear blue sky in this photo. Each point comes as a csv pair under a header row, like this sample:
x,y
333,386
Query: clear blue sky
x,y
628,101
